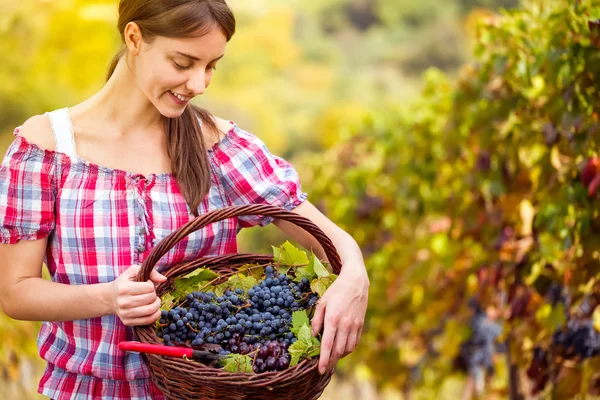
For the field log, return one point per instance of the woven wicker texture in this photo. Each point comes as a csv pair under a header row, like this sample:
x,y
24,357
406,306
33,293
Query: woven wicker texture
x,y
184,379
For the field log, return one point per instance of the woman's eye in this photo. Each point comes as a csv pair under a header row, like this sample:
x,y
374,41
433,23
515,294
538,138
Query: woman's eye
x,y
180,66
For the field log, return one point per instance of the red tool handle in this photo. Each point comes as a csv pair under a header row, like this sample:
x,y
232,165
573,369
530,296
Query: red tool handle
x,y
157,349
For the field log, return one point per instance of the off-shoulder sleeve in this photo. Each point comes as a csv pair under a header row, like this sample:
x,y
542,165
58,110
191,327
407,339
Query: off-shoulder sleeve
x,y
27,193
252,175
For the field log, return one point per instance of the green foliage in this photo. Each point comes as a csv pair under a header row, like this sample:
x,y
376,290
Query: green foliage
x,y
475,191
306,346
237,363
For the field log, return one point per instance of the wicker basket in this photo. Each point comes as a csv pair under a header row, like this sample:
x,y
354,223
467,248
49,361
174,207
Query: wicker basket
x,y
183,379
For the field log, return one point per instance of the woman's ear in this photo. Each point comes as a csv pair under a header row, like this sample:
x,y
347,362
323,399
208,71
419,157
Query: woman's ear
x,y
133,38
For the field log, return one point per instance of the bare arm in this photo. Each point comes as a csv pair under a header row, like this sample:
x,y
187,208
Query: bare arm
x,y
27,296
341,311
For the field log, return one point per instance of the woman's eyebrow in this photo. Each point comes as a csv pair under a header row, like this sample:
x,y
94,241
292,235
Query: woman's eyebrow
x,y
196,58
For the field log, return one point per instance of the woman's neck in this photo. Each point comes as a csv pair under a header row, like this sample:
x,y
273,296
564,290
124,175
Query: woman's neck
x,y
121,107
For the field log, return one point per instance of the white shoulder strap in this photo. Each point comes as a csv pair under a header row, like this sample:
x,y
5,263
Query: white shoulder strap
x,y
63,131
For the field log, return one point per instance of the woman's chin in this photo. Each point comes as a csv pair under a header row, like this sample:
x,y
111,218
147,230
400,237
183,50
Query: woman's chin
x,y
171,112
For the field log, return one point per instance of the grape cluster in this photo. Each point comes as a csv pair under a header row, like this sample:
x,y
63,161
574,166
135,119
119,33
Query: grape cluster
x,y
476,354
578,340
242,322
271,355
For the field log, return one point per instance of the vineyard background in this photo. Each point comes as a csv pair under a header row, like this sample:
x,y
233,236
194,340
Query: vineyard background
x,y
456,144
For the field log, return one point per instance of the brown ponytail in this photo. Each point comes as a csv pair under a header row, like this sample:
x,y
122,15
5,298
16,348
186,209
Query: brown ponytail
x,y
185,141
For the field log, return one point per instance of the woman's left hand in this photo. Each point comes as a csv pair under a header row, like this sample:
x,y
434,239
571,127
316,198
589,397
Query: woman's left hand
x,y
342,310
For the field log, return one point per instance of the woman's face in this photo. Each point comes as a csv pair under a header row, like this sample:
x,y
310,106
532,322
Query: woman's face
x,y
171,71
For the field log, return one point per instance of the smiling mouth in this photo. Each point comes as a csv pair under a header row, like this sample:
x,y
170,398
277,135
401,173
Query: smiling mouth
x,y
180,97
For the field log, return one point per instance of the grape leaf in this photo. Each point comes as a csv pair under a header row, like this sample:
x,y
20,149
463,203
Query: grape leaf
x,y
220,289
167,301
318,267
320,285
305,347
304,335
252,270
307,272
277,258
297,350
192,281
237,363
241,282
202,274
234,282
315,348
289,255
299,319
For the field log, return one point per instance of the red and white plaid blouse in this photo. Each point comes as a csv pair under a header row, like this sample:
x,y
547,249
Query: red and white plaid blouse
x,y
100,221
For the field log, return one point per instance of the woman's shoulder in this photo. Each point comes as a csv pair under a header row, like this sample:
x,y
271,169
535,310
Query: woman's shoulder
x,y
38,131
223,125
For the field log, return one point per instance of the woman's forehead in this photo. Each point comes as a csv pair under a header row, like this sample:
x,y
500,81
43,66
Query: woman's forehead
x,y
205,46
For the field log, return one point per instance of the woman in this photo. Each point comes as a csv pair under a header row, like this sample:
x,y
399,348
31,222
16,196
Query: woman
x,y
92,188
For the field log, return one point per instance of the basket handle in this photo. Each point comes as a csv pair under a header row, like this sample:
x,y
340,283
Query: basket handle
x,y
234,211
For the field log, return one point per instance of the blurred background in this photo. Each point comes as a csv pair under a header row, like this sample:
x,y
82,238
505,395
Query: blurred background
x,y
456,141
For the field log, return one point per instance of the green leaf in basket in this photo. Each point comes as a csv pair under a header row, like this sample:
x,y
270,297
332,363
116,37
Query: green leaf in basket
x,y
202,274
278,259
290,255
315,349
305,347
316,342
220,289
192,281
276,253
167,302
238,281
299,318
304,335
297,351
237,363
319,269
307,272
254,270
320,285
314,269
242,282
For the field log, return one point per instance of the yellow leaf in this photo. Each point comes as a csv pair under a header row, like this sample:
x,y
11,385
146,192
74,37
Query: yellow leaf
x,y
596,318
527,211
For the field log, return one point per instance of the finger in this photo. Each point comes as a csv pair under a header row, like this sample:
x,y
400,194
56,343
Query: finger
x,y
143,321
142,300
143,311
157,277
360,332
136,288
132,271
317,320
326,347
339,348
130,302
351,342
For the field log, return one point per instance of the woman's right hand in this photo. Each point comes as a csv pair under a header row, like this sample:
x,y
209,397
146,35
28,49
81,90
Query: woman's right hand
x,y
136,303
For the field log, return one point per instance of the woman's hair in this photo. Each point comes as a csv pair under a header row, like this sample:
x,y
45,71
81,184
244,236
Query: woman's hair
x,y
180,18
